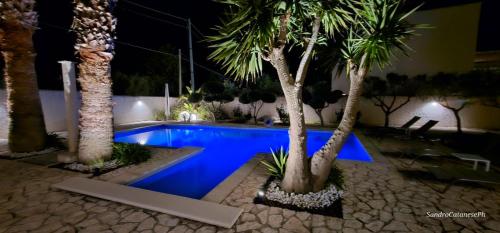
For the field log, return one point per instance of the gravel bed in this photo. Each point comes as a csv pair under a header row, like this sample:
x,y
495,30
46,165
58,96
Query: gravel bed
x,y
318,200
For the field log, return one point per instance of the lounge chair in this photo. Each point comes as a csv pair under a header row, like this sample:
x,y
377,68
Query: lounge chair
x,y
456,174
420,132
476,158
405,128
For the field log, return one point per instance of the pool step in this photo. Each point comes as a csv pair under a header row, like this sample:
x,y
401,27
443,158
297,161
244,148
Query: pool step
x,y
201,211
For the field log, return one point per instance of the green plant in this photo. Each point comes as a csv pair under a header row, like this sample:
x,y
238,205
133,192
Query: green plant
x,y
284,117
159,115
97,163
277,167
128,154
185,110
336,176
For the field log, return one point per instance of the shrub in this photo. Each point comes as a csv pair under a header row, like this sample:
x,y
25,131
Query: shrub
x,y
159,115
283,114
128,154
201,110
277,167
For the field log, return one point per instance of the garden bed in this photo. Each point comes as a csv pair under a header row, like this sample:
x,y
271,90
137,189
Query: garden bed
x,y
332,209
108,166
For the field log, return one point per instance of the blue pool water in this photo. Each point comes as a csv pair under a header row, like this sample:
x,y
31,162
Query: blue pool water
x,y
225,150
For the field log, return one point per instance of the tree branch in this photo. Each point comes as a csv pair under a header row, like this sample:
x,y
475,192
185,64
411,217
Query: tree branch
x,y
402,104
304,63
283,31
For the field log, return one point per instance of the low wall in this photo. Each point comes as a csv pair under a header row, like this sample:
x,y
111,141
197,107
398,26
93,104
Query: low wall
x,y
128,109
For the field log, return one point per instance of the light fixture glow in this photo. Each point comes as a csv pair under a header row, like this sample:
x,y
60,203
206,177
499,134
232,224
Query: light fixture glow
x,y
140,103
142,141
260,193
434,103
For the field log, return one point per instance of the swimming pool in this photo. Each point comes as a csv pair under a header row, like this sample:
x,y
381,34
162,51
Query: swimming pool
x,y
225,150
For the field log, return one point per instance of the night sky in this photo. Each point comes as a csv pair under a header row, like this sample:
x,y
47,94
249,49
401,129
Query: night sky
x,y
54,41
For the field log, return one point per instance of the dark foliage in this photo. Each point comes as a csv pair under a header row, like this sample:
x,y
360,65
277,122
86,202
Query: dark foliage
x,y
128,154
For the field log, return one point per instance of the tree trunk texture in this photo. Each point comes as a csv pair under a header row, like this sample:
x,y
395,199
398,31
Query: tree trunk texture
x,y
297,173
322,160
96,112
26,122
94,26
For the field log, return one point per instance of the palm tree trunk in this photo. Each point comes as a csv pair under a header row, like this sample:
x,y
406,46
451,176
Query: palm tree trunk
x,y
26,123
322,160
96,112
95,27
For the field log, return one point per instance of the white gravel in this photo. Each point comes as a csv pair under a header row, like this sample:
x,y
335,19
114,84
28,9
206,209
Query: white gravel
x,y
89,168
321,199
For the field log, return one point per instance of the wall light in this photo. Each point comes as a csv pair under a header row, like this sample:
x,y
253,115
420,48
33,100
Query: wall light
x,y
434,103
139,102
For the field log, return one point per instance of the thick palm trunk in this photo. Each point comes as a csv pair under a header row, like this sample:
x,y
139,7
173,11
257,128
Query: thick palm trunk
x,y
27,127
95,27
322,160
96,112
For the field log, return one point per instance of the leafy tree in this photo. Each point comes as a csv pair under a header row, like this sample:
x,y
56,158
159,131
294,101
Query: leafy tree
x,y
214,92
457,91
384,93
320,97
256,98
18,22
261,30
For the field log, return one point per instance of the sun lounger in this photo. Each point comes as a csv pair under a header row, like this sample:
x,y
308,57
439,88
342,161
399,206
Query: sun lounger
x,y
454,174
475,158
420,132
417,153
405,128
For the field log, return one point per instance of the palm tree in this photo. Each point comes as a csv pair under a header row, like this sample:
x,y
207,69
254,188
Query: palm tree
x,y
261,30
95,26
18,21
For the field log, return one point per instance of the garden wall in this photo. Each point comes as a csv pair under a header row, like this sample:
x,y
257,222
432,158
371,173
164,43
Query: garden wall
x,y
128,109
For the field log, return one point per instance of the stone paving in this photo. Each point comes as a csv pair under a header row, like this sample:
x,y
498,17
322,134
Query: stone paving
x,y
377,198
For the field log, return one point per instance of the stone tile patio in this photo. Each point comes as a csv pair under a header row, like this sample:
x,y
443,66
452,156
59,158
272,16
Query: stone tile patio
x,y
377,198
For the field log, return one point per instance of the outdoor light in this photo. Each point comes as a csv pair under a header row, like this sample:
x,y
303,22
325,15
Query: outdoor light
x,y
260,193
434,103
142,141
140,103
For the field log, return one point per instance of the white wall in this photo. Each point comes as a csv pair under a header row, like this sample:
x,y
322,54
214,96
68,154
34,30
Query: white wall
x,y
128,109
449,46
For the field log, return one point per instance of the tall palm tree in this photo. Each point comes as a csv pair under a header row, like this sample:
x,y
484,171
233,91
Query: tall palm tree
x,y
18,21
259,30
94,25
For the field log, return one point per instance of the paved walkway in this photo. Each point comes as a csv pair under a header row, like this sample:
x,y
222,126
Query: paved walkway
x,y
378,198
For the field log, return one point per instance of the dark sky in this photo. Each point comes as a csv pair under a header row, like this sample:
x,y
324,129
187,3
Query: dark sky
x,y
145,28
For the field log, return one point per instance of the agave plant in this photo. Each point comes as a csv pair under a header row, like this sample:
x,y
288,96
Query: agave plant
x,y
277,167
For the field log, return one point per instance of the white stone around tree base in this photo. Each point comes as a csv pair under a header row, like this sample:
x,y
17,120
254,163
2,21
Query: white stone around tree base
x,y
321,199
